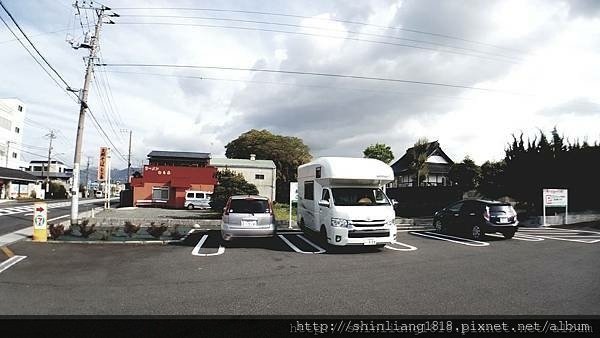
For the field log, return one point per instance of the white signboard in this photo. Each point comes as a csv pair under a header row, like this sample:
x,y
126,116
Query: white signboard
x,y
555,197
293,198
293,192
40,216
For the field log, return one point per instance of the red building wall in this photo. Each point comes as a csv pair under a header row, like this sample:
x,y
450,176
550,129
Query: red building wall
x,y
177,179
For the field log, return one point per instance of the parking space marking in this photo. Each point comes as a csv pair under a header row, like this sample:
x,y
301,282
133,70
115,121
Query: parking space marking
x,y
448,238
321,250
295,248
406,247
568,235
10,262
196,251
519,237
572,239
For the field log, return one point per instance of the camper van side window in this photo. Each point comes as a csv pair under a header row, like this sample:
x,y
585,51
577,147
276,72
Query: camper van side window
x,y
318,172
309,190
325,195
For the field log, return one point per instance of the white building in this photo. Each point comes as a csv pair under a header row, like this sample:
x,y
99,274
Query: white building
x,y
57,172
12,118
261,173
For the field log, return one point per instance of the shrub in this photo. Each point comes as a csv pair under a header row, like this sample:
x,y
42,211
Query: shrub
x,y
229,184
56,231
156,231
130,228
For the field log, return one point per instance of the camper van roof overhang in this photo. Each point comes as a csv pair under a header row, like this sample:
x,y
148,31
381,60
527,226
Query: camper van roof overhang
x,y
348,169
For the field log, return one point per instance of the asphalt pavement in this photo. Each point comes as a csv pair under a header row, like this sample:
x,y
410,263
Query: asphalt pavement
x,y
555,272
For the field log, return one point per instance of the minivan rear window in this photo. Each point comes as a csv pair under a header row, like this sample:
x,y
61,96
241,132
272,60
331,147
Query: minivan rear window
x,y
248,206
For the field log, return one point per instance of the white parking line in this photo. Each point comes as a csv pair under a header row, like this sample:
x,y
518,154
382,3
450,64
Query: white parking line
x,y
448,238
407,247
560,230
196,251
321,250
519,237
295,248
571,240
10,262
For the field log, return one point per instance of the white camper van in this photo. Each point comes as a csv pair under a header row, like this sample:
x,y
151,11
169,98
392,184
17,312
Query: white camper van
x,y
341,199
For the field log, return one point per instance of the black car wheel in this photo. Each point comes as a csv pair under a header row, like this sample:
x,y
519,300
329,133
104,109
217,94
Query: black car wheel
x,y
509,234
476,232
190,206
439,226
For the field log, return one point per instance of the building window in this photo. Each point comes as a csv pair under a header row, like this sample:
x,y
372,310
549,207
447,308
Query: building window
x,y
17,130
309,190
20,108
14,155
160,194
259,176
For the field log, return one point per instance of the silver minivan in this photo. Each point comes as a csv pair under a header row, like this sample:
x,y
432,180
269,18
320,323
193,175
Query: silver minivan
x,y
248,216
197,199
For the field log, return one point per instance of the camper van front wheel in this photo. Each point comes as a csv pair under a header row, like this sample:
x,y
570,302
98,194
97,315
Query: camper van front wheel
x,y
191,206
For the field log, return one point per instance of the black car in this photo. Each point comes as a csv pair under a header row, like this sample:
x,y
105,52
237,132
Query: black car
x,y
477,217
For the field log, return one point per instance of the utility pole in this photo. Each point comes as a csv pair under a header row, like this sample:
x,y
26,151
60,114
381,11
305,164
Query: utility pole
x,y
128,157
52,137
93,47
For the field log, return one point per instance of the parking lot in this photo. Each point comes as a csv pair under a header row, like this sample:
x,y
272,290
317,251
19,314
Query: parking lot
x,y
550,271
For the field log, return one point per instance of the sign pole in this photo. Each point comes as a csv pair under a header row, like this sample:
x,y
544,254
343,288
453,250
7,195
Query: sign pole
x,y
567,207
544,203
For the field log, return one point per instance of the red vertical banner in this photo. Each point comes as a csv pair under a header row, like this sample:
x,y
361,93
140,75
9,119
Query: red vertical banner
x,y
102,165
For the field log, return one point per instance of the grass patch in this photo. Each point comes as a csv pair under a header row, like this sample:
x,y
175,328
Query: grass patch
x,y
282,211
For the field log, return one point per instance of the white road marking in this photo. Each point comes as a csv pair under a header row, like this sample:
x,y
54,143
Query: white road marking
x,y
30,214
560,230
295,248
571,240
448,238
321,250
289,232
10,262
196,251
407,247
519,237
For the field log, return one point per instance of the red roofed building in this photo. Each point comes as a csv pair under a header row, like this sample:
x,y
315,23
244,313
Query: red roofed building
x,y
169,175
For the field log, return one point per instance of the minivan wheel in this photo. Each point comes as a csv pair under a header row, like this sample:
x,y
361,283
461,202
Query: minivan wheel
x,y
508,234
476,232
439,227
190,206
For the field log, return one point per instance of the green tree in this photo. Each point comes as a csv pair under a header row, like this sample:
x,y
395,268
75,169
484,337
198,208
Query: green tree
x,y
492,183
286,151
466,174
420,150
229,183
379,151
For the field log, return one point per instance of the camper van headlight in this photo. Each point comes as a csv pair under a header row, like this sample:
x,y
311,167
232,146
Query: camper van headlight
x,y
339,222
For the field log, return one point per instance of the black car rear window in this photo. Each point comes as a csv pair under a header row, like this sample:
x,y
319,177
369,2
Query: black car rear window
x,y
507,209
249,206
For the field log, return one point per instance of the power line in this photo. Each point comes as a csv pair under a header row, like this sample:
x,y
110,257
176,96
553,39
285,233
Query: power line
x,y
32,45
321,28
291,84
291,72
318,35
446,36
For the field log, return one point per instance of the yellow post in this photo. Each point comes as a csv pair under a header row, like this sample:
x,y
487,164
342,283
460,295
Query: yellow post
x,y
40,222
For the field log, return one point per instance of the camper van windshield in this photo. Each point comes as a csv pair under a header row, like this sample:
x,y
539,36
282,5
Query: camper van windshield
x,y
358,196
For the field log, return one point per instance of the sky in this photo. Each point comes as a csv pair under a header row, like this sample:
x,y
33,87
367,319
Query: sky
x,y
468,74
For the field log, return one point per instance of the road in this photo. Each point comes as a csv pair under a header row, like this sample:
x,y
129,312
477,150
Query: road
x,y
15,216
539,272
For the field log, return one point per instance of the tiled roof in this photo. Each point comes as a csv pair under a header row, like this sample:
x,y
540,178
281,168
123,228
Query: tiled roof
x,y
241,163
17,175
179,154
